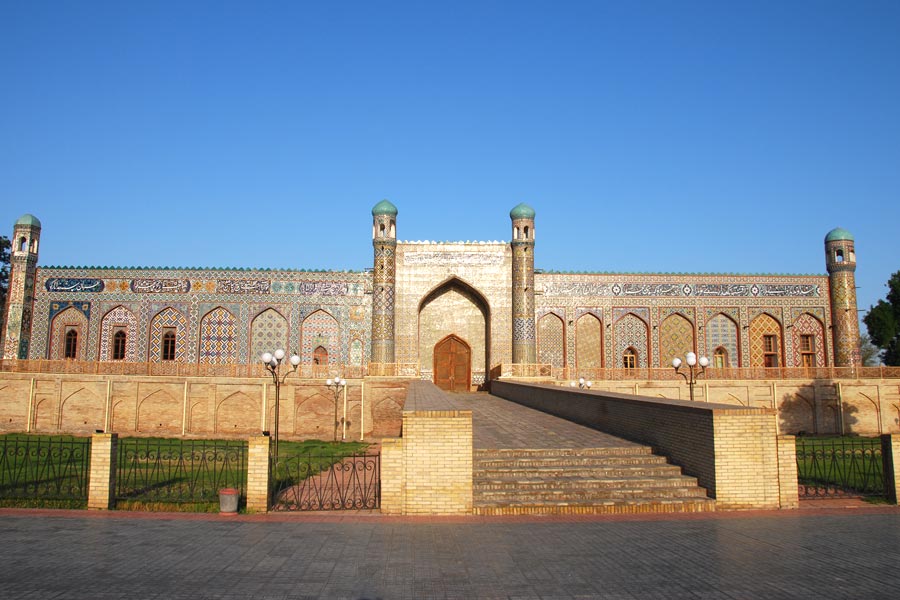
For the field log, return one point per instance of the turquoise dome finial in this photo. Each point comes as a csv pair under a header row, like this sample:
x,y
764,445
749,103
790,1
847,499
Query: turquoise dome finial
x,y
838,234
384,208
522,211
28,220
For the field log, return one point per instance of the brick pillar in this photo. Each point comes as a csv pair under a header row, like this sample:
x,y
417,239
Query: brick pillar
x,y
890,450
102,483
258,474
393,476
788,494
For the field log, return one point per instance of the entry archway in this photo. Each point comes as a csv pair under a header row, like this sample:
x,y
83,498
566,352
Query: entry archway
x,y
453,364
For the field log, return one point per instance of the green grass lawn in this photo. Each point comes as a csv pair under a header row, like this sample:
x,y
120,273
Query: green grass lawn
x,y
39,471
851,464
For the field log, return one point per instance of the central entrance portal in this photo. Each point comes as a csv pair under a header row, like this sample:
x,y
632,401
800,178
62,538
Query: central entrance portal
x,y
453,364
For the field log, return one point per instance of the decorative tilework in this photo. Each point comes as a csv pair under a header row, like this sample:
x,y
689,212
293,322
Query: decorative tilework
x,y
722,331
320,329
806,324
268,332
640,311
218,337
166,318
550,340
69,317
115,318
631,332
356,353
588,342
676,339
763,325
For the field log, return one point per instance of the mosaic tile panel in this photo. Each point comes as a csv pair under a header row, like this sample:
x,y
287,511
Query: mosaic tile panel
x,y
218,337
70,317
115,318
268,332
763,325
168,317
356,353
631,332
588,342
676,339
320,329
806,324
551,346
722,331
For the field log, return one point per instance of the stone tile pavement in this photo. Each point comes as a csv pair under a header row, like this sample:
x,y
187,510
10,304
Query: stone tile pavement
x,y
56,555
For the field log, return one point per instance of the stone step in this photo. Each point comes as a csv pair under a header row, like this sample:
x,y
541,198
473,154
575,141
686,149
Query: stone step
x,y
567,461
620,506
582,483
556,472
582,495
547,452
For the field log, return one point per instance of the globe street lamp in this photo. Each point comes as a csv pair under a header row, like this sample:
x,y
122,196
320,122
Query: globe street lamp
x,y
692,363
581,383
336,385
272,362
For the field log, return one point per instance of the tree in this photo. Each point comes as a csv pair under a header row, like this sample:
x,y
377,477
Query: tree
x,y
869,353
883,322
4,275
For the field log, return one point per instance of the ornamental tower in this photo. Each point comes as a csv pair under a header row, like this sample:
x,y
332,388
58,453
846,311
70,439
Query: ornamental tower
x,y
523,332
384,242
840,260
23,258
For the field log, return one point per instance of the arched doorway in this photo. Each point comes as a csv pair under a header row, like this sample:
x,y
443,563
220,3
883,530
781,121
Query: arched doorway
x,y
452,364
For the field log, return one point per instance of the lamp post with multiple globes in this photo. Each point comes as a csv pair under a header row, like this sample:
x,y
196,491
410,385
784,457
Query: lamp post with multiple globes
x,y
692,363
273,361
581,383
337,385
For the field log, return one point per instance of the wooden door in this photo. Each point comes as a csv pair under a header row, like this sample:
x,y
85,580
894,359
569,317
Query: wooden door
x,y
452,364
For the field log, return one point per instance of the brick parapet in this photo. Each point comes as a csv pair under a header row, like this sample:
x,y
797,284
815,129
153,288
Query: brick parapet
x,y
258,474
102,478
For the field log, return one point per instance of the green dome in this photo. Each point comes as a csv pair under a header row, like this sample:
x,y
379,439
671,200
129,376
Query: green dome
x,y
838,234
522,211
28,221
384,208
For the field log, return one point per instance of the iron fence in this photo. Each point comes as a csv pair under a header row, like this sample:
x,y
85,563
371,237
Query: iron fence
x,y
45,469
840,467
172,471
315,481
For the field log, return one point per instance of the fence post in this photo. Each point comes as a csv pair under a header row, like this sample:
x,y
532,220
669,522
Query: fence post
x,y
102,479
890,454
788,486
258,474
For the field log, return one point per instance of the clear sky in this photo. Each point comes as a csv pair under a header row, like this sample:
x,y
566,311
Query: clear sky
x,y
648,136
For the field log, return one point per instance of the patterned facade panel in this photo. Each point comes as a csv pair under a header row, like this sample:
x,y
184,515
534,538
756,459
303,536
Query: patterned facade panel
x,y
268,332
218,337
168,318
356,353
808,325
320,330
69,319
119,318
762,326
551,340
722,332
676,339
631,332
588,342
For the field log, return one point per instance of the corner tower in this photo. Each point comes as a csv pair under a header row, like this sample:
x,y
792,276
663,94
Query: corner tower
x,y
523,331
840,260
384,242
23,258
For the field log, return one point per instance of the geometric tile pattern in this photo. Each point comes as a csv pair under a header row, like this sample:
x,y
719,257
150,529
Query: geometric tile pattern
x,y
356,353
218,337
70,317
319,329
631,332
588,342
760,327
119,318
268,332
806,324
166,318
722,332
676,339
551,344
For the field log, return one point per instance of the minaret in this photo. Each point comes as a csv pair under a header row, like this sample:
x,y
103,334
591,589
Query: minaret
x,y
23,258
384,241
523,334
840,260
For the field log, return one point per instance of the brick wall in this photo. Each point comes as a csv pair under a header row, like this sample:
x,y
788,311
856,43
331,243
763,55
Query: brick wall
x,y
102,477
731,450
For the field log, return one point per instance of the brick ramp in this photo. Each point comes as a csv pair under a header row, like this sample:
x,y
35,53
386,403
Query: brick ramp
x,y
528,462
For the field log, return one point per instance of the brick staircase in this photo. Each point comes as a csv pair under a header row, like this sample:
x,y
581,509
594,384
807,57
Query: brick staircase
x,y
582,481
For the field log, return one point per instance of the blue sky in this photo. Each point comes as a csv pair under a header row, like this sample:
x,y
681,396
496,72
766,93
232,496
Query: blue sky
x,y
648,136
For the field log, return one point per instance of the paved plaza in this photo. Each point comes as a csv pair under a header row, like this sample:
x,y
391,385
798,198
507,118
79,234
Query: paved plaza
x,y
801,554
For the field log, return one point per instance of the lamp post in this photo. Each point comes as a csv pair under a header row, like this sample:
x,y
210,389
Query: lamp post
x,y
272,362
581,384
692,375
336,385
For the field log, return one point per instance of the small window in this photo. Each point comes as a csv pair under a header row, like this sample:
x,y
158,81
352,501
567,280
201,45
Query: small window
x,y
720,358
770,350
320,356
23,244
527,233
808,350
168,344
629,359
838,255
71,345
119,340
